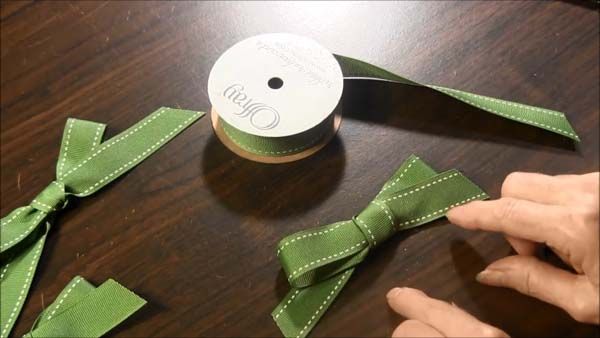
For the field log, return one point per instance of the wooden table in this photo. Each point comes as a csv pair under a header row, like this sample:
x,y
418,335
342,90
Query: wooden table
x,y
193,229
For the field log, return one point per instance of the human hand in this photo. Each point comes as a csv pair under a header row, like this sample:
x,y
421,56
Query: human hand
x,y
558,211
428,317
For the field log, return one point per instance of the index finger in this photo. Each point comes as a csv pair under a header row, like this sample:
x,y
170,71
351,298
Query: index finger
x,y
536,222
450,320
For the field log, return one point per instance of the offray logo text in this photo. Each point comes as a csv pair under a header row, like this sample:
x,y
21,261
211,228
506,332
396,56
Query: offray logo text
x,y
261,116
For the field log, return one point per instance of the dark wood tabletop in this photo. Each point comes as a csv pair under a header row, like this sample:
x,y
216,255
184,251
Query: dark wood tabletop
x,y
193,229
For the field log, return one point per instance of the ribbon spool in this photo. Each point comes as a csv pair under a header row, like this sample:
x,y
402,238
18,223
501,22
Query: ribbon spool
x,y
276,97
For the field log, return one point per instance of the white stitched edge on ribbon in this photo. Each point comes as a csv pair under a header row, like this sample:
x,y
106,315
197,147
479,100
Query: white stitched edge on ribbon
x,y
418,219
27,231
421,187
19,211
287,303
62,299
337,285
44,205
306,266
560,131
514,104
70,122
97,136
4,271
399,177
245,147
322,232
384,208
134,160
21,297
315,233
368,230
110,143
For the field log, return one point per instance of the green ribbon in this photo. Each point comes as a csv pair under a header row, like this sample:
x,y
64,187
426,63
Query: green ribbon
x,y
277,146
82,310
85,165
547,119
318,262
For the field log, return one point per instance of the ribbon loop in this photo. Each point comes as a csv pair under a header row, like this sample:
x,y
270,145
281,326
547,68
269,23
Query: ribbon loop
x,y
310,257
80,138
52,198
318,262
84,166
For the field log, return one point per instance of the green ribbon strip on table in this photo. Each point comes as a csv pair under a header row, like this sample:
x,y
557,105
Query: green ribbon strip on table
x,y
82,310
85,165
318,262
547,119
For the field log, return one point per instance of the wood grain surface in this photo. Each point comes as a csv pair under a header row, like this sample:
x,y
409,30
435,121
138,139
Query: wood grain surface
x,y
193,229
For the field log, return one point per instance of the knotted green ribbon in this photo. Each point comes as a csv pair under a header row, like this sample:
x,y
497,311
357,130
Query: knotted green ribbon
x,y
82,310
318,262
85,165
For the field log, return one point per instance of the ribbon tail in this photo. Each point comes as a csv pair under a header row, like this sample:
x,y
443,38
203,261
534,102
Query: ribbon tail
x,y
72,293
412,171
112,158
547,119
302,308
81,310
17,226
15,280
80,138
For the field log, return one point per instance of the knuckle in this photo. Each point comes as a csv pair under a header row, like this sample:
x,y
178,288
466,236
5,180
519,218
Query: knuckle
x,y
526,285
490,331
525,278
507,209
589,214
581,220
511,182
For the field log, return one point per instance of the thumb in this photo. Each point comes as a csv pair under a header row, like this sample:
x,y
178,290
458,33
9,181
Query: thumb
x,y
532,277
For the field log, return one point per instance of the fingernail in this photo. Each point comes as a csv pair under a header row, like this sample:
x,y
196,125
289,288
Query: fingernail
x,y
487,276
393,292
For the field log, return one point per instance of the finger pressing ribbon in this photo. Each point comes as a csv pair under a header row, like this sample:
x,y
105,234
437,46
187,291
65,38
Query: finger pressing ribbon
x,y
319,262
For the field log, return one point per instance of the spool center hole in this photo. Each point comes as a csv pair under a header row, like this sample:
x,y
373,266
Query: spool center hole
x,y
275,83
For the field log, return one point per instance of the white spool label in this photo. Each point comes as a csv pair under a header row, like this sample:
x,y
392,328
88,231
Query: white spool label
x,y
275,85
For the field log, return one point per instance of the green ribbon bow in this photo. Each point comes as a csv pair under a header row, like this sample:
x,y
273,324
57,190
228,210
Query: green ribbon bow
x,y
319,262
85,165
82,310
